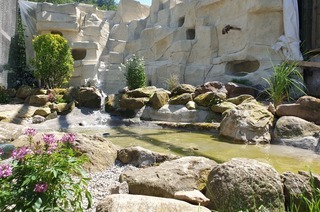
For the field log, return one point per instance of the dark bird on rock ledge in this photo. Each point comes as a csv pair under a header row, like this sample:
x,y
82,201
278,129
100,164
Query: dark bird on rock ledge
x,y
227,28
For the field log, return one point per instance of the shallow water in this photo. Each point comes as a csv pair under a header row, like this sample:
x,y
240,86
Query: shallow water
x,y
282,158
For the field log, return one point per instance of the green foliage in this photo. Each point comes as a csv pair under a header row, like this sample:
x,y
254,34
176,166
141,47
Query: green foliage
x,y
20,72
4,97
44,176
172,82
285,77
53,61
135,74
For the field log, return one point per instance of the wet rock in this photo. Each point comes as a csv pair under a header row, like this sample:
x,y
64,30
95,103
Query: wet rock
x,y
183,88
89,97
112,103
187,173
306,107
181,99
127,202
245,184
158,99
141,157
249,122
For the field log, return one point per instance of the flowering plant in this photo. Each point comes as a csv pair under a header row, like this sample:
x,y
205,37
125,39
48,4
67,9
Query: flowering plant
x,y
44,176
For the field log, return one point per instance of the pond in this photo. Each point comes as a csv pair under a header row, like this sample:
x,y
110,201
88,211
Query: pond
x,y
210,145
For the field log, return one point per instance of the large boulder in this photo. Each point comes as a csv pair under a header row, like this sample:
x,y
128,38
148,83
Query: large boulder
x,y
89,97
38,100
133,203
239,99
142,92
245,184
133,103
183,88
297,132
24,91
297,186
235,90
210,98
249,122
159,99
141,157
222,107
213,86
306,107
187,173
43,111
181,99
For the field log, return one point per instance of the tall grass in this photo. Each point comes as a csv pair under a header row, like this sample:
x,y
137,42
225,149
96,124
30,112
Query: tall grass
x,y
285,78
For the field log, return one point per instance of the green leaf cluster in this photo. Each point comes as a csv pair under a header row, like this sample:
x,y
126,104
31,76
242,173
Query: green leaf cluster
x,y
135,73
53,61
285,77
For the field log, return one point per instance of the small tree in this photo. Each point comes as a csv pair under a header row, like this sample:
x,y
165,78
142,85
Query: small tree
x,y
53,62
135,75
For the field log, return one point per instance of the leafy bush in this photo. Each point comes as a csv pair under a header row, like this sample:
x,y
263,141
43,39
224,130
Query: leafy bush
x,y
53,61
285,77
4,97
44,176
135,74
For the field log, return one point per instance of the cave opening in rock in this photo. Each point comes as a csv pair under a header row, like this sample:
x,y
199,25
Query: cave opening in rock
x,y
57,33
79,54
191,34
181,21
242,67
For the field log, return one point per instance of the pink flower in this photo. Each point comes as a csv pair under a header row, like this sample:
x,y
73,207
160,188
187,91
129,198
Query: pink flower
x,y
40,187
20,153
49,139
5,170
30,132
68,138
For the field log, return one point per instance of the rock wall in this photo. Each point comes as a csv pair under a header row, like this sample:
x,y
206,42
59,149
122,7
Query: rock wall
x,y
198,41
8,11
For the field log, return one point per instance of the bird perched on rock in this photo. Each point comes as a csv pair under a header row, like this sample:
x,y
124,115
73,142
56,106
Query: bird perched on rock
x,y
227,28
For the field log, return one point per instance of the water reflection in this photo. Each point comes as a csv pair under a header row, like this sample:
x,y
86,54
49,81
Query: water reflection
x,y
209,145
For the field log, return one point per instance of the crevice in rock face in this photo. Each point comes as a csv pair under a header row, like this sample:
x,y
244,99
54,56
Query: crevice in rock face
x,y
241,67
191,34
57,33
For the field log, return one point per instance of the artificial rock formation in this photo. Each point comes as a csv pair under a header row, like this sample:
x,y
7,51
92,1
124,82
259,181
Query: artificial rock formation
x,y
197,41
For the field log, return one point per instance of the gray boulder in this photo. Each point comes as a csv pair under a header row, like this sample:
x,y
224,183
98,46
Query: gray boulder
x,y
306,107
249,122
183,88
141,157
297,132
187,173
134,203
89,97
24,91
296,185
245,184
181,99
159,99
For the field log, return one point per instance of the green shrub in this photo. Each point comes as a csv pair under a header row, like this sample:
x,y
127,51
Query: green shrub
x,y
4,97
44,176
135,74
53,61
285,77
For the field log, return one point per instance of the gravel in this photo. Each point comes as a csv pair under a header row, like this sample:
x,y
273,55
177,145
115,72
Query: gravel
x,y
105,183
